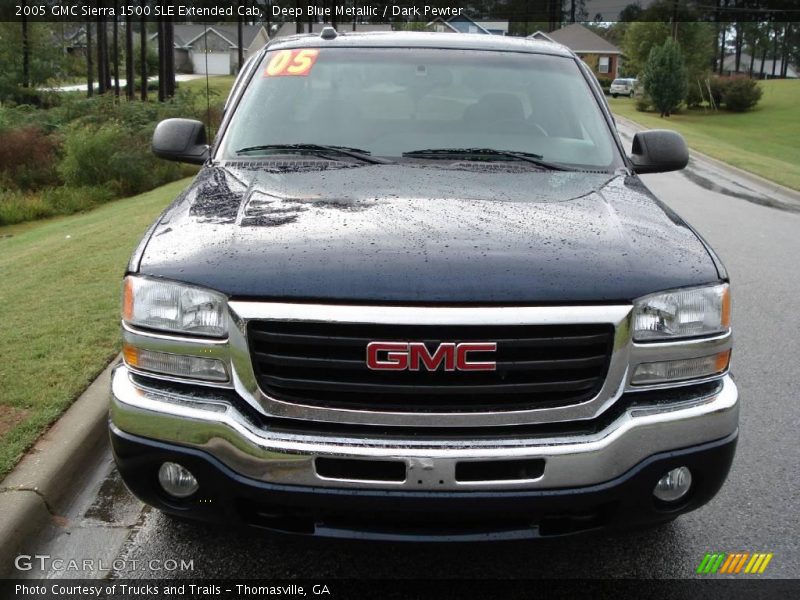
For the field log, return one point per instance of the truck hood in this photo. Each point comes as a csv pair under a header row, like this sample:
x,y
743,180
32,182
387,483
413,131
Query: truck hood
x,y
459,233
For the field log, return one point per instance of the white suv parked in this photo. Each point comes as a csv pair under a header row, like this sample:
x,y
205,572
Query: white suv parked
x,y
623,87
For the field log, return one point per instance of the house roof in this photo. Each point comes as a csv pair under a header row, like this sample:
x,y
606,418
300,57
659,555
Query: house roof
x,y
729,64
578,38
186,34
290,28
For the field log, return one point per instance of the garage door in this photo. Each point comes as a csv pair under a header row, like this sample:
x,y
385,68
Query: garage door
x,y
219,63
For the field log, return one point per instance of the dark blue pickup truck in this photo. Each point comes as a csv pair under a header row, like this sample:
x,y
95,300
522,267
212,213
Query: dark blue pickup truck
x,y
418,291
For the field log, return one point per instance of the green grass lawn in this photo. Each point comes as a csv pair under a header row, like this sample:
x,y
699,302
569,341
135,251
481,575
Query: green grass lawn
x,y
763,141
59,322
218,85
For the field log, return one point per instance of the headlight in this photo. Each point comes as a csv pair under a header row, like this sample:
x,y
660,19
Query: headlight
x,y
682,313
173,307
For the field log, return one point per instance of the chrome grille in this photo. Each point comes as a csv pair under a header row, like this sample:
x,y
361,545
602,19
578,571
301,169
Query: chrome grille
x,y
323,364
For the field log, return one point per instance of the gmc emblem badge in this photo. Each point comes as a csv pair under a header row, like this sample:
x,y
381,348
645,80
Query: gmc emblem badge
x,y
414,356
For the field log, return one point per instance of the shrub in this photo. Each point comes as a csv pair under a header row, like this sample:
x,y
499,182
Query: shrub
x,y
13,116
114,156
16,207
605,83
643,103
696,95
741,94
98,147
67,200
28,158
718,87
32,97
665,77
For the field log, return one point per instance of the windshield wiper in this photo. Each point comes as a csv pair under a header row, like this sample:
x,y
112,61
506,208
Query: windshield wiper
x,y
318,149
536,159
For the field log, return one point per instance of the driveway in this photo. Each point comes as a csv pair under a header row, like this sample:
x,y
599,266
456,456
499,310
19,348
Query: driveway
x,y
82,87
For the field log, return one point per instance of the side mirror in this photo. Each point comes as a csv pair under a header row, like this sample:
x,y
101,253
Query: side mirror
x,y
181,140
659,151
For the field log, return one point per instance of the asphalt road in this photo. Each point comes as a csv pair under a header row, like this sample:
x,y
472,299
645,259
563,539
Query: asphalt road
x,y
756,511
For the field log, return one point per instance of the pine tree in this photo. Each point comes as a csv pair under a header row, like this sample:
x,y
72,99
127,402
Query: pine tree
x,y
665,77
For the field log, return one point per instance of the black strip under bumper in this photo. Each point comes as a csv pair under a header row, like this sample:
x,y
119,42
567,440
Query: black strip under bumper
x,y
225,496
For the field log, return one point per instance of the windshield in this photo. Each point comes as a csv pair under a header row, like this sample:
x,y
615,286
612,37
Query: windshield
x,y
391,101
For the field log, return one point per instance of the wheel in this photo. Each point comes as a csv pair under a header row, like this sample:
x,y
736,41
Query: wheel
x,y
613,95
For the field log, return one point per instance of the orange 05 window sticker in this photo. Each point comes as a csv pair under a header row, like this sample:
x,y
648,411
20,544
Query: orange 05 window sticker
x,y
291,62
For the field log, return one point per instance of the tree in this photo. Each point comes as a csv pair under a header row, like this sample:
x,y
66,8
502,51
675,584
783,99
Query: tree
x,y
143,55
89,66
632,12
696,40
129,59
665,77
577,11
22,72
26,52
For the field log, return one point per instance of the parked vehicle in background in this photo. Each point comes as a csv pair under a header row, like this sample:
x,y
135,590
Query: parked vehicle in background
x,y
623,87
418,291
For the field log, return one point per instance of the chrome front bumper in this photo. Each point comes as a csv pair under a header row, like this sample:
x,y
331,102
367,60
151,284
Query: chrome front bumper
x,y
210,423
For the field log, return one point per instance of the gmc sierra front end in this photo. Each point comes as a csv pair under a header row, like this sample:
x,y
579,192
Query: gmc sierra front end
x,y
418,291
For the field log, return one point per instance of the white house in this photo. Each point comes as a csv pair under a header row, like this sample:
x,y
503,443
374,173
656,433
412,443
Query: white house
x,y
212,47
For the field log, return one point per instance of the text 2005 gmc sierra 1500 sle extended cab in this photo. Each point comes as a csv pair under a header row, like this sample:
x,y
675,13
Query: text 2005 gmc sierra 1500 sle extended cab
x,y
418,291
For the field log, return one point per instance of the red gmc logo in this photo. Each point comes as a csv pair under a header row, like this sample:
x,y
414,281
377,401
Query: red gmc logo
x,y
413,356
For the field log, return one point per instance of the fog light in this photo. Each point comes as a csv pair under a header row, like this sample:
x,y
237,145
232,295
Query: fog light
x,y
674,485
176,480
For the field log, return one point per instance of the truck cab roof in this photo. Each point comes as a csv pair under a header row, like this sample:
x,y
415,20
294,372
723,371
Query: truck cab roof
x,y
414,39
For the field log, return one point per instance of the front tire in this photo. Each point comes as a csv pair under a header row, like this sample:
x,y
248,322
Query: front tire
x,y
613,95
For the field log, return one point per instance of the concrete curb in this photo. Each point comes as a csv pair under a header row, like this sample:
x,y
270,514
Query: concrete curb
x,y
756,179
32,493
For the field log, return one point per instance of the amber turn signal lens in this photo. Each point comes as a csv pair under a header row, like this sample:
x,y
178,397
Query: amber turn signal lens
x,y
726,308
723,358
130,354
127,299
